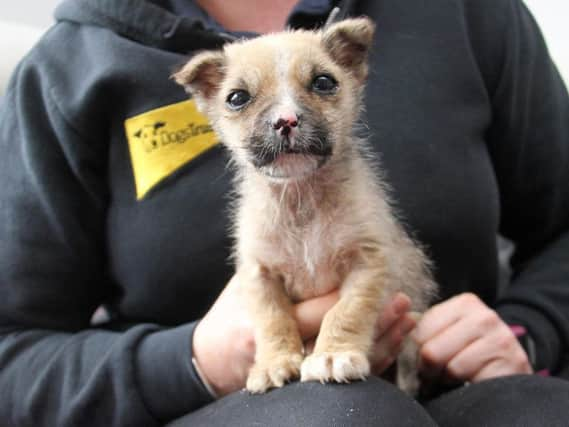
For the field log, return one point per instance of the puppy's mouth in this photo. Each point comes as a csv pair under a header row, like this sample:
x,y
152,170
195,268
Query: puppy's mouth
x,y
291,155
293,166
290,159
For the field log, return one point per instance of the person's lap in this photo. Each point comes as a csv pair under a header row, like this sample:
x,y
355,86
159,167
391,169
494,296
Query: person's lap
x,y
511,401
522,400
369,403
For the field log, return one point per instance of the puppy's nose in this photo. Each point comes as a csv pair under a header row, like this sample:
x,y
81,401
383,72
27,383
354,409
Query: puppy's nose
x,y
285,123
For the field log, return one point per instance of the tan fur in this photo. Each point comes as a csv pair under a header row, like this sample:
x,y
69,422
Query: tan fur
x,y
318,228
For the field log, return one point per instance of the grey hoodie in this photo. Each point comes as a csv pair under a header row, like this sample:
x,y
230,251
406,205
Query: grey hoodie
x,y
464,106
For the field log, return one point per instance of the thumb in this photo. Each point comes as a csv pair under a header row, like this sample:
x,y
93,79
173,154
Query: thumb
x,y
309,313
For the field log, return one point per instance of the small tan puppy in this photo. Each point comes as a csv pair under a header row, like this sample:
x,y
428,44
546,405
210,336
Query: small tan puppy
x,y
311,215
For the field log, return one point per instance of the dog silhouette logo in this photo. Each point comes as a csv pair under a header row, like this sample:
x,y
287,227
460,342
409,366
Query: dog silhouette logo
x,y
162,140
148,134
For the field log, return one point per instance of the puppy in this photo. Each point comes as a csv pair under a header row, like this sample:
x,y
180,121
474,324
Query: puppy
x,y
311,213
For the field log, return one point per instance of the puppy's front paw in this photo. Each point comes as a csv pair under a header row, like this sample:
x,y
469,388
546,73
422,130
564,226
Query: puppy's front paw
x,y
273,372
342,367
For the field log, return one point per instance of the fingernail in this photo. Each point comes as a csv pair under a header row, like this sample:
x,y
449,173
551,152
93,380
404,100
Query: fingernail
x,y
398,308
400,305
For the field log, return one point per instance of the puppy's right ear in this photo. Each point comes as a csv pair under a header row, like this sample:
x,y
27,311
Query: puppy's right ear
x,y
202,76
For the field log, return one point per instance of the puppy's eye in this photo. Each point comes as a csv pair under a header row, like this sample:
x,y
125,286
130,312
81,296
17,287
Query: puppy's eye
x,y
324,84
238,99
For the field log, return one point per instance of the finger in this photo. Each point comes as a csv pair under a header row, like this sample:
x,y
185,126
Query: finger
x,y
464,365
494,369
435,353
443,315
389,346
380,366
492,356
392,312
309,313
441,348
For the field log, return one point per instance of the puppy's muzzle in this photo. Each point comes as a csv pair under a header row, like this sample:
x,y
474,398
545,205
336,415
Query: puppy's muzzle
x,y
289,136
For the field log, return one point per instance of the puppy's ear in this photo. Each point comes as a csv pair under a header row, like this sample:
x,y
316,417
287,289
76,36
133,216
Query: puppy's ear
x,y
348,42
202,76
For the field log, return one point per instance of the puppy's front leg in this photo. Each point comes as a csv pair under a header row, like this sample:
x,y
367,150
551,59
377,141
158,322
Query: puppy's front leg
x,y
346,336
279,348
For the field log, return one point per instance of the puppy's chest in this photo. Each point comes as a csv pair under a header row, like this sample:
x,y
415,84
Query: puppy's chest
x,y
313,260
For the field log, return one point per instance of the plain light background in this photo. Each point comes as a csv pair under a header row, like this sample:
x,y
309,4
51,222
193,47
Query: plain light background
x,y
552,15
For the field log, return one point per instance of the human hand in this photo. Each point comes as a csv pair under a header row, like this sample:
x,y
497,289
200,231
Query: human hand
x,y
462,339
224,342
393,325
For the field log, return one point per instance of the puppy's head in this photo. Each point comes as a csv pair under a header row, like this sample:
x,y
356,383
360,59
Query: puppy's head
x,y
284,103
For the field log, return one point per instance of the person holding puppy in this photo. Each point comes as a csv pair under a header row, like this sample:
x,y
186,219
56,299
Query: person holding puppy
x,y
115,194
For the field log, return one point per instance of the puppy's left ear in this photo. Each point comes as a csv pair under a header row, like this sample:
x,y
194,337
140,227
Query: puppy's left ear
x,y
348,43
202,76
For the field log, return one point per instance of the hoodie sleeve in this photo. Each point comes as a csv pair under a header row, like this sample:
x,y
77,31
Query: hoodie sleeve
x,y
55,369
529,146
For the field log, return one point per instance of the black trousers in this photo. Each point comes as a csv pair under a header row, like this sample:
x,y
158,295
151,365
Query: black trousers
x,y
521,401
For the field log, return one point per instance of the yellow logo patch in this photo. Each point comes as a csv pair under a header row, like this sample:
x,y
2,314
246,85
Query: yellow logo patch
x,y
162,140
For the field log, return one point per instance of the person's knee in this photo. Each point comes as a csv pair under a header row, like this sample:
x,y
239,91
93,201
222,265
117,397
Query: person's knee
x,y
368,403
508,401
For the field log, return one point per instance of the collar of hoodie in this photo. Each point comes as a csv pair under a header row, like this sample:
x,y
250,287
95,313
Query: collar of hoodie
x,y
149,23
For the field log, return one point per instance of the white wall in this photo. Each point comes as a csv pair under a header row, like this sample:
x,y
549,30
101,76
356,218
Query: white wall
x,y
37,13
553,17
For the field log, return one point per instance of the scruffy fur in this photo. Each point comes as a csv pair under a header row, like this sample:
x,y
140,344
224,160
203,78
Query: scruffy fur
x,y
311,213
